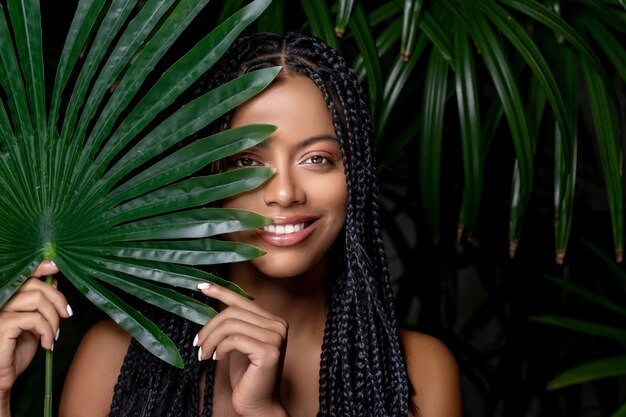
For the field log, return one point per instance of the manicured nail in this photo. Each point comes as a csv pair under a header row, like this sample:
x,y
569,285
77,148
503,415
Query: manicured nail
x,y
200,355
195,340
53,264
52,348
214,357
69,310
203,285
56,335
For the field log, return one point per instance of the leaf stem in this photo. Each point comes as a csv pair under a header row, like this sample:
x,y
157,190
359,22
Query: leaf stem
x,y
47,402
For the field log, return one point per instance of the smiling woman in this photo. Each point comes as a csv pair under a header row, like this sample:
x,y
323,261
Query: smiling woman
x,y
307,197
320,337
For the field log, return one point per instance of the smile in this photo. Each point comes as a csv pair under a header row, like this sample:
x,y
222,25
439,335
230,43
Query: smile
x,y
287,234
284,229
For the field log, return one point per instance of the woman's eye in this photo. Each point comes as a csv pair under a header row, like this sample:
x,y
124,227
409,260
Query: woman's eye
x,y
317,160
241,162
245,162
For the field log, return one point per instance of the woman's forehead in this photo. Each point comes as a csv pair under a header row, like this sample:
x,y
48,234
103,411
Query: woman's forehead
x,y
291,100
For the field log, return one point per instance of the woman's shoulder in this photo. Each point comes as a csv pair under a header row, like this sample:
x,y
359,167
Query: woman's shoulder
x,y
434,374
94,371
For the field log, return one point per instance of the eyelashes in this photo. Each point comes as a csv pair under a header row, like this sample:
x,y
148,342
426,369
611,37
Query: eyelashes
x,y
242,162
313,160
319,159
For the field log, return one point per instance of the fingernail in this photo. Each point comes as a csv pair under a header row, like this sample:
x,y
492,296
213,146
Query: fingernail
x,y
69,310
55,283
52,348
53,264
214,357
203,285
200,355
195,340
56,335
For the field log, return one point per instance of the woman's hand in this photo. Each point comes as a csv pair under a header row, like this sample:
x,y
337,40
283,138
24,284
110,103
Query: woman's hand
x,y
255,340
30,317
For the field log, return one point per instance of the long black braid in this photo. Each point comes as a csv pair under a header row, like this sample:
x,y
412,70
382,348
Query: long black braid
x,y
362,369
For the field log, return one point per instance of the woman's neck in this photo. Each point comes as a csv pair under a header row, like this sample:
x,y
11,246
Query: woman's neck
x,y
301,300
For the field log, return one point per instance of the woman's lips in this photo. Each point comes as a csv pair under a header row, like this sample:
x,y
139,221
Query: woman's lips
x,y
287,233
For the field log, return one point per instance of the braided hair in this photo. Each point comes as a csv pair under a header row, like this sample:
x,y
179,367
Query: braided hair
x,y
362,368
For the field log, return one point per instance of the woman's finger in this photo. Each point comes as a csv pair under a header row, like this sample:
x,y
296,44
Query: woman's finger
x,y
261,355
233,326
231,298
45,268
34,291
34,302
276,325
15,324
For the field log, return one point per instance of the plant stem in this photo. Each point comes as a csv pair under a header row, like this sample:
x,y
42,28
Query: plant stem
x,y
47,401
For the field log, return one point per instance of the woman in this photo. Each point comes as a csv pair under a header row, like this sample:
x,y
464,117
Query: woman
x,y
321,337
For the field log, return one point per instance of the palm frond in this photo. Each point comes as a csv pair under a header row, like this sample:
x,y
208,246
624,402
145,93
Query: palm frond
x,y
102,189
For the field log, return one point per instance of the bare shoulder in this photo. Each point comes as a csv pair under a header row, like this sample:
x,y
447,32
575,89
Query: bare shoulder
x,y
434,373
94,371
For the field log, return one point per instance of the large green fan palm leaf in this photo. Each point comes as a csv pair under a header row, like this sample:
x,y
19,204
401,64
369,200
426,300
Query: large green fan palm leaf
x,y
108,191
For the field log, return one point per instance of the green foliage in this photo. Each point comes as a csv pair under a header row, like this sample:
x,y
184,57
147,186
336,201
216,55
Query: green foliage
x,y
471,99
105,188
524,51
596,369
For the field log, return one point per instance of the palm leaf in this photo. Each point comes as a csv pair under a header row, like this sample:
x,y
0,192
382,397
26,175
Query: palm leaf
x,y
396,80
11,80
26,19
502,74
318,17
85,17
431,140
590,371
107,198
609,149
272,20
144,331
469,115
361,30
410,21
343,16
595,298
565,156
583,326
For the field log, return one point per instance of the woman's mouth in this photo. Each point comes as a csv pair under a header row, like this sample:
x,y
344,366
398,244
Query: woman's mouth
x,y
287,234
286,229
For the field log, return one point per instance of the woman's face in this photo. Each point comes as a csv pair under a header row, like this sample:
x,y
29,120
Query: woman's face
x,y
307,196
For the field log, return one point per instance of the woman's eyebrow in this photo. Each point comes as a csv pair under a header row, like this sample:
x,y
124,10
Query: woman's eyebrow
x,y
325,137
318,138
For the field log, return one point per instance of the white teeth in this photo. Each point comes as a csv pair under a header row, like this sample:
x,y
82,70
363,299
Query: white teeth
x,y
284,229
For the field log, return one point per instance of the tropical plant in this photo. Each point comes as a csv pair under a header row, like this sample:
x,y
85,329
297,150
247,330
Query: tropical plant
x,y
95,181
520,95
611,329
438,71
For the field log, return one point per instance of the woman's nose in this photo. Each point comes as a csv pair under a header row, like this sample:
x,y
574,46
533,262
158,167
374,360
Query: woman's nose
x,y
284,189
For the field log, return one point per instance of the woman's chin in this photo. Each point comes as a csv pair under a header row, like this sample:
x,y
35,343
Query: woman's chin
x,y
281,267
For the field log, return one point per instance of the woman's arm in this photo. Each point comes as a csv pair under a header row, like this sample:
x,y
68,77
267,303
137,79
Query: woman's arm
x,y
434,374
91,379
